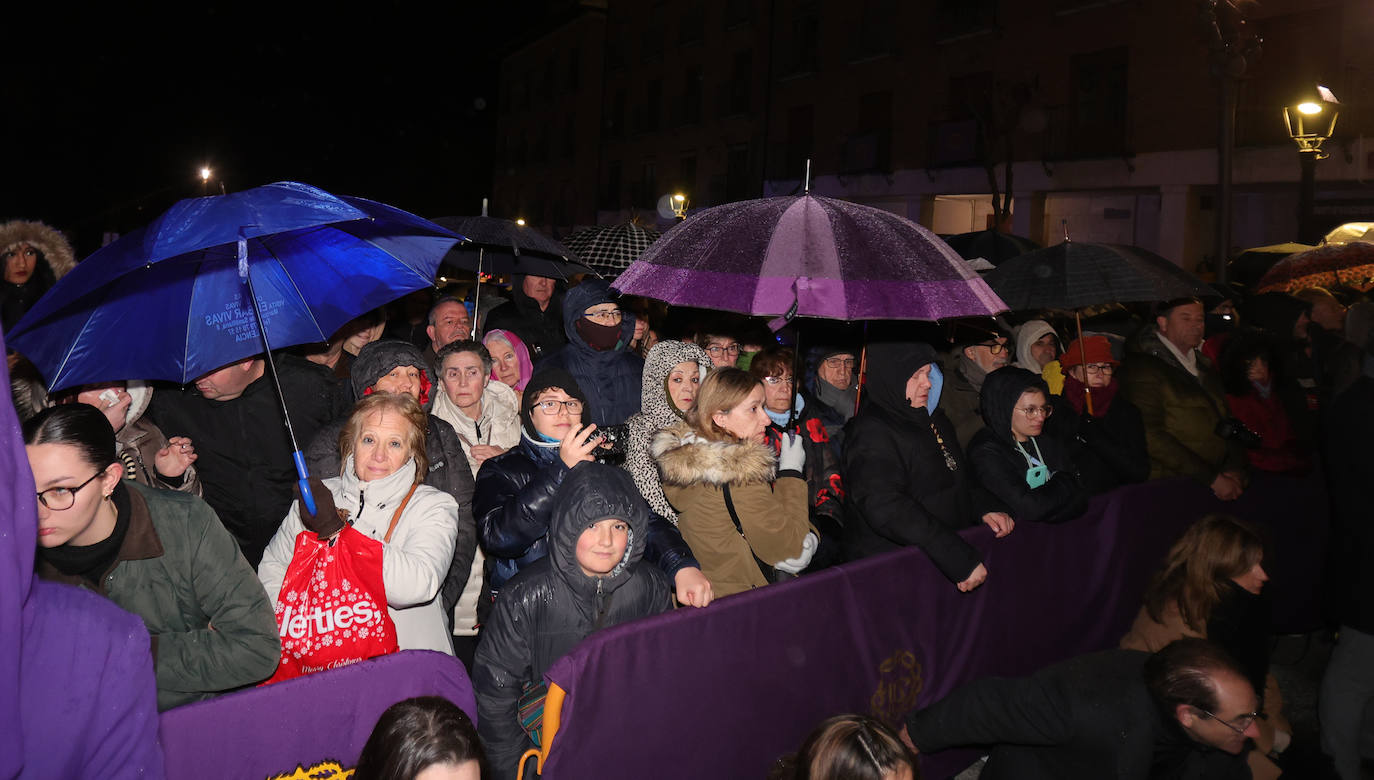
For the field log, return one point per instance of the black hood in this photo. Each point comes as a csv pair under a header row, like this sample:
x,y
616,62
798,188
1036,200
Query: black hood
x,y
1001,390
592,492
543,379
890,366
377,359
584,296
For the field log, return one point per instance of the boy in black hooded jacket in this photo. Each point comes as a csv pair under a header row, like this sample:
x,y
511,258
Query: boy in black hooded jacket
x,y
592,579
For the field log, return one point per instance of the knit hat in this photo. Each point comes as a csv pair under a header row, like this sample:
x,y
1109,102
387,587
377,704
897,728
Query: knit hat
x,y
543,379
378,358
1096,348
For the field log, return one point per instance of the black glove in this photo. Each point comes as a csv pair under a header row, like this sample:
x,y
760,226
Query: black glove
x,y
326,521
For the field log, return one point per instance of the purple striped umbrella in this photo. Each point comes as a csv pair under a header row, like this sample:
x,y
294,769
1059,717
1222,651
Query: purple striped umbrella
x,y
812,257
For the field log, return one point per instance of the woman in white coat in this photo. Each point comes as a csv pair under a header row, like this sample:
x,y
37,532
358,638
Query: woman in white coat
x,y
383,450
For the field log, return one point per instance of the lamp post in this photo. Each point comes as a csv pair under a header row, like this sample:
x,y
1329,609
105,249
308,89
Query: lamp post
x,y
680,206
1310,123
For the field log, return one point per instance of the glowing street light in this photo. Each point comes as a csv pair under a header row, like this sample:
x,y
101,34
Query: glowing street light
x,y
1309,124
680,206
520,221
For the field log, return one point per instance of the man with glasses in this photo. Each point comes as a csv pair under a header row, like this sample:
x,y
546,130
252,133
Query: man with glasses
x,y
835,387
1104,431
979,349
599,332
1186,711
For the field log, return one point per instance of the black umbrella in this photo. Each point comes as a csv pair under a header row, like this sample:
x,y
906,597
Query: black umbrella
x,y
1073,275
992,245
611,248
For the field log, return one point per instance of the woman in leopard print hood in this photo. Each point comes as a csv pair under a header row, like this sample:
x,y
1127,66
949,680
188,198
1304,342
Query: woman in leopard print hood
x,y
672,373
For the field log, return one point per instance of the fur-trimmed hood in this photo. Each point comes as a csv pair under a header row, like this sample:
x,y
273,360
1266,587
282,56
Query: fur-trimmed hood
x,y
56,249
686,459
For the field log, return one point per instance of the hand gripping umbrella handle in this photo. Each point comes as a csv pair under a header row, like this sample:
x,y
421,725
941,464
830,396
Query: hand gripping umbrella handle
x,y
304,481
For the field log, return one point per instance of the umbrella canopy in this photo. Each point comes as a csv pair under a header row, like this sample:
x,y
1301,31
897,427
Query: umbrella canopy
x,y
611,248
1349,232
1072,275
1252,264
172,300
503,247
1350,264
991,245
809,256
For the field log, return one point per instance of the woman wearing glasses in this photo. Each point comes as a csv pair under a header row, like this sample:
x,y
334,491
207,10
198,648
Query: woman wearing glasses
x,y
1210,586
159,554
599,333
514,502
1028,469
1106,443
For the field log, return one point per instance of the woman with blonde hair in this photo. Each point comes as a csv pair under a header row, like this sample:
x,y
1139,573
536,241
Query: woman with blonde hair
x,y
382,448
741,508
1210,587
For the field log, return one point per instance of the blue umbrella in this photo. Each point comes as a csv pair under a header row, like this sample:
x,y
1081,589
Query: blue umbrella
x,y
220,279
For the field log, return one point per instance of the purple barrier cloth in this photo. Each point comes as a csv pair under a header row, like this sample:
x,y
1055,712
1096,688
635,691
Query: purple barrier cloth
x,y
327,716
722,692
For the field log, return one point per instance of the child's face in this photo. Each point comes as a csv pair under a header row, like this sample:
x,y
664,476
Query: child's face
x,y
602,545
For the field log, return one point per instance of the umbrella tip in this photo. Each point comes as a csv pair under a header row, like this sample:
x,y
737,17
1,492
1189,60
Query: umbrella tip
x,y
806,181
1065,223
484,207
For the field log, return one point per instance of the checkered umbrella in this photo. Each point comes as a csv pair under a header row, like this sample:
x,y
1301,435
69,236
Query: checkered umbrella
x,y
611,248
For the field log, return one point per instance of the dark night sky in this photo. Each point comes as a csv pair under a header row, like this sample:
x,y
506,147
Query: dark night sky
x,y
109,115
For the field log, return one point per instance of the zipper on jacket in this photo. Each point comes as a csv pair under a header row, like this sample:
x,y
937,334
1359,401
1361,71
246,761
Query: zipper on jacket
x,y
362,502
600,605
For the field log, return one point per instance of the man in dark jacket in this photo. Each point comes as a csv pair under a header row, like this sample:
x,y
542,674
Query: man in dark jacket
x,y
1184,712
1182,402
516,491
234,416
1015,459
588,582
394,366
979,349
598,332
534,313
906,477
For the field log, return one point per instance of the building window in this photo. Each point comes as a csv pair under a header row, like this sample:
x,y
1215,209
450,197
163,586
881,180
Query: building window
x,y
806,37
739,185
691,25
610,190
646,189
960,18
651,112
801,133
540,153
1097,104
568,143
687,175
741,83
739,12
546,81
875,33
869,148
573,73
615,118
690,111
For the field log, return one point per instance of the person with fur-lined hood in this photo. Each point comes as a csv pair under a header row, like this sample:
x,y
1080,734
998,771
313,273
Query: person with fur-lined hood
x,y
35,256
673,373
742,509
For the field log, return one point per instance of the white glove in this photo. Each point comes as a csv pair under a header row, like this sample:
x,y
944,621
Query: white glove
x,y
803,559
791,454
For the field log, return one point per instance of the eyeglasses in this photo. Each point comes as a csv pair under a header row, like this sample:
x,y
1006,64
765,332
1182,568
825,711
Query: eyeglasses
x,y
605,315
994,347
773,381
840,362
1036,411
1239,724
60,498
717,350
1099,368
551,406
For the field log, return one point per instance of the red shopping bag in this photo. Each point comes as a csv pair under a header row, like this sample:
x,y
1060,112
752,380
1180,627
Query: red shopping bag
x,y
331,611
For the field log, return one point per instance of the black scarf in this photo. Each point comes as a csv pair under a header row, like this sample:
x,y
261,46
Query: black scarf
x,y
93,560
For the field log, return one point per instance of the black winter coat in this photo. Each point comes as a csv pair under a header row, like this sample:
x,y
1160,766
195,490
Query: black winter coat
x,y
540,329
900,489
514,504
244,452
1001,468
552,605
1349,428
612,378
1088,717
1107,451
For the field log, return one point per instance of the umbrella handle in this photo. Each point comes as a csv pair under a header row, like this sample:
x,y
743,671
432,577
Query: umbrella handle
x,y
304,481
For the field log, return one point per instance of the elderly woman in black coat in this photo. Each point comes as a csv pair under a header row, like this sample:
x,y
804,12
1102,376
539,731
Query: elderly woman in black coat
x,y
1027,468
1104,432
908,483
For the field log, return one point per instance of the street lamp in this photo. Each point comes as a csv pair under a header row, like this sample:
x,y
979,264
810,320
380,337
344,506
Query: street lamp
x,y
1310,123
520,222
680,206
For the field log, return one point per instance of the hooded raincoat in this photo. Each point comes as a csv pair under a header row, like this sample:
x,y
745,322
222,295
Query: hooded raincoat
x,y
906,478
552,605
1002,467
613,375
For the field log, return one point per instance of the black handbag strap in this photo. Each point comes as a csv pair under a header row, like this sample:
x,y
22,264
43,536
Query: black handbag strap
x,y
769,573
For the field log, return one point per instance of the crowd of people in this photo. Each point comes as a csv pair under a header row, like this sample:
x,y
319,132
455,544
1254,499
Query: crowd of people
x,y
570,460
